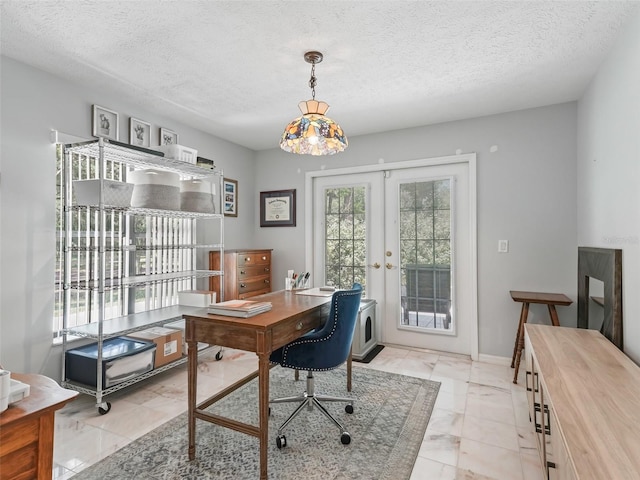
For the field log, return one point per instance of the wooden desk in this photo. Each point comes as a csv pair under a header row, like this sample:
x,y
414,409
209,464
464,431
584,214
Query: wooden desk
x,y
291,317
26,429
548,299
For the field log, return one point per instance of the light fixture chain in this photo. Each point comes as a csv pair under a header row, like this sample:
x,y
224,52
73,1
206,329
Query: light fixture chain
x,y
312,81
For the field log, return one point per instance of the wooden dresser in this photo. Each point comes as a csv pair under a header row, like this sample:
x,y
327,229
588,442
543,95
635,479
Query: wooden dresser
x,y
247,273
26,429
584,404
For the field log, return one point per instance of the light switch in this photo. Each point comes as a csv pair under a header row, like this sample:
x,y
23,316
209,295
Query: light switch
x,y
503,246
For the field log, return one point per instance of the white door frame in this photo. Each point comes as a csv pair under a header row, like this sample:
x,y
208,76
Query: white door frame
x,y
469,158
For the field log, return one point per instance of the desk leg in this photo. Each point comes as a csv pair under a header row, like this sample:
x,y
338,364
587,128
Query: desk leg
x,y
191,395
523,316
554,315
263,385
520,339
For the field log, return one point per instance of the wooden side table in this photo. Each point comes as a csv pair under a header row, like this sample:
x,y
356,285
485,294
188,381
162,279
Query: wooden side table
x,y
26,429
548,299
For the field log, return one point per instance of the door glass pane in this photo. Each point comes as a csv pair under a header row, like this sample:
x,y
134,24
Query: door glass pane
x,y
345,236
425,255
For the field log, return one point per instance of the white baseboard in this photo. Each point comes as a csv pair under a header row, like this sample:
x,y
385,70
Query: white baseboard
x,y
494,359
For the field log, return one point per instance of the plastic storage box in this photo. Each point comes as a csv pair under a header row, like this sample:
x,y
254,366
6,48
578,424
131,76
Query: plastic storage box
x,y
179,152
116,194
123,358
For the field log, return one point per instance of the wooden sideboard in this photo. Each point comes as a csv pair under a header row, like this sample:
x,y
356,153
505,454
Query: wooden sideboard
x,y
26,429
247,273
584,404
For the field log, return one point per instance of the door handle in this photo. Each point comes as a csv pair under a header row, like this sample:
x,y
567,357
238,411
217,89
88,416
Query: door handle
x,y
375,265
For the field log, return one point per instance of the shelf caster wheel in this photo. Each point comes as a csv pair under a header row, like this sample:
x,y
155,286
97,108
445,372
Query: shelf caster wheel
x,y
104,408
281,441
219,355
348,409
345,438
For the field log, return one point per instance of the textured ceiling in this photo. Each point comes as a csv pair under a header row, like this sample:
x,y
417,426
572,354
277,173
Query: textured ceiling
x,y
235,69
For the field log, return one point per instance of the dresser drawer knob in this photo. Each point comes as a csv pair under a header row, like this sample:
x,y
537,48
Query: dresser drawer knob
x,y
267,269
242,272
266,281
247,259
299,326
264,258
242,285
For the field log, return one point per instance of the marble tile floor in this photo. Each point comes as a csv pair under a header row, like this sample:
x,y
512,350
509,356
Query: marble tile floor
x,y
479,429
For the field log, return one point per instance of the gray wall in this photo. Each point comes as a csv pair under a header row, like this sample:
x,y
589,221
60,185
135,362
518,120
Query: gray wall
x,y
526,194
33,103
608,169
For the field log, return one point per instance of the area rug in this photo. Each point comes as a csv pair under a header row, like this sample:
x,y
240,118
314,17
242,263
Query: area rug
x,y
387,427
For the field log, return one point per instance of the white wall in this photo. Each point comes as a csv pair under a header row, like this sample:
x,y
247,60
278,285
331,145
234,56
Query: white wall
x,y
608,169
526,194
33,103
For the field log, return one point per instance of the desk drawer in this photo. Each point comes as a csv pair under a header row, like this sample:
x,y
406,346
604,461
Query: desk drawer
x,y
288,331
246,259
245,272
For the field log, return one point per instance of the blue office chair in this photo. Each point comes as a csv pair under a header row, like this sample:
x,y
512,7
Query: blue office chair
x,y
323,349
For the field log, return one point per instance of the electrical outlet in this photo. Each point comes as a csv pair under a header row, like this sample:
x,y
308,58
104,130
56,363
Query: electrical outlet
x,y
503,246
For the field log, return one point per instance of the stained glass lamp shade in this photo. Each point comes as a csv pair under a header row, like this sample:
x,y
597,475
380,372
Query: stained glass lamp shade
x,y
313,133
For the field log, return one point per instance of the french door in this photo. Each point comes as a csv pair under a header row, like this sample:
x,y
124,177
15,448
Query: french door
x,y
407,233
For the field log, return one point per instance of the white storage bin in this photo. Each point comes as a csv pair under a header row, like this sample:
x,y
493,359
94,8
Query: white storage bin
x,y
179,152
116,194
155,189
197,195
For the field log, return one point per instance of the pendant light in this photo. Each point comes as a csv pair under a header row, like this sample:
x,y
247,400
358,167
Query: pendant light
x,y
313,133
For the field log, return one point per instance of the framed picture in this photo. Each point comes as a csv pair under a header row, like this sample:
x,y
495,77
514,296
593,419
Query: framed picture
x,y
105,123
278,208
168,137
230,197
139,133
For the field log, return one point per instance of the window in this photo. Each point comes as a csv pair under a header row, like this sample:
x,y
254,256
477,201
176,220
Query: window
x,y
345,236
425,241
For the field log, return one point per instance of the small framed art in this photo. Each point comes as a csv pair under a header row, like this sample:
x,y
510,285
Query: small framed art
x,y
230,197
278,208
139,133
105,123
168,137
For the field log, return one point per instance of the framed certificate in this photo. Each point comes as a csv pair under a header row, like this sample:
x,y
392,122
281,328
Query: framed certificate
x,y
278,208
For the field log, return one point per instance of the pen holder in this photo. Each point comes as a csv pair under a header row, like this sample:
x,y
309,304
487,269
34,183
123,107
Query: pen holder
x,y
288,283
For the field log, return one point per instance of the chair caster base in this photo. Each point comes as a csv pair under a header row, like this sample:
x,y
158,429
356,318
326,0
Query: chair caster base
x,y
345,438
281,441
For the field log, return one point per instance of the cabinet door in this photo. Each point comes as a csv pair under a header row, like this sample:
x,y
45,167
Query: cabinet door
x,y
559,466
528,379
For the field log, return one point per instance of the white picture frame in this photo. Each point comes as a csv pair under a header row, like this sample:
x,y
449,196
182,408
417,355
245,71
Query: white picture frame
x,y
105,123
139,133
168,137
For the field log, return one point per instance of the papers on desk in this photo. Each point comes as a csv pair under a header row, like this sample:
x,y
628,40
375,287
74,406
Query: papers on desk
x,y
239,308
316,292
